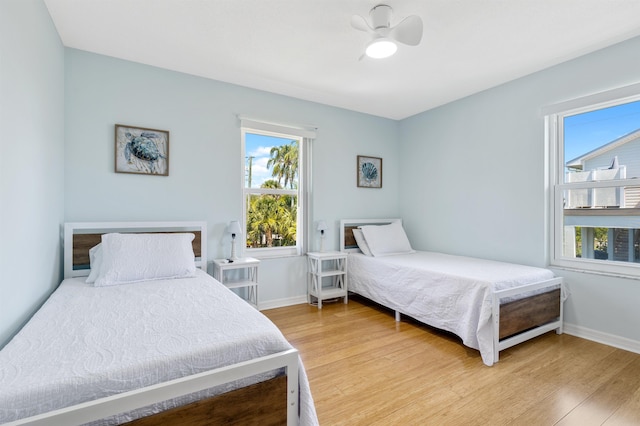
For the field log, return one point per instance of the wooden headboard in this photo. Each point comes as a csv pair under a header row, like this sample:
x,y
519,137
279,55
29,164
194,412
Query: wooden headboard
x,y
79,237
347,241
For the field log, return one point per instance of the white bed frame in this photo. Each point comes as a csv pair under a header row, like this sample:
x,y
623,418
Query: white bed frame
x,y
128,401
498,345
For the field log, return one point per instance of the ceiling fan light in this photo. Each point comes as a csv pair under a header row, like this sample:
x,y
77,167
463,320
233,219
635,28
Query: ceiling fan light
x,y
381,48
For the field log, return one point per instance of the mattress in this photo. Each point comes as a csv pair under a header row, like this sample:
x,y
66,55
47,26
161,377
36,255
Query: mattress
x,y
453,293
89,342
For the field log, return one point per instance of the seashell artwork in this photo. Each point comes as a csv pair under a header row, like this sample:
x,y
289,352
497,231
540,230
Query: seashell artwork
x,y
369,172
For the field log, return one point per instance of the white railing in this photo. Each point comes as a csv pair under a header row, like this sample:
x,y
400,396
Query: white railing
x,y
595,197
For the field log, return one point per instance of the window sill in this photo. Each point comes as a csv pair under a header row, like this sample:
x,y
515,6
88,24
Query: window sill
x,y
612,274
273,253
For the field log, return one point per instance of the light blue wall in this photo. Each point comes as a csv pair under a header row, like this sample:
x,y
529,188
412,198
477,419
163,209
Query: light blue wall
x,y
31,160
204,181
474,180
431,170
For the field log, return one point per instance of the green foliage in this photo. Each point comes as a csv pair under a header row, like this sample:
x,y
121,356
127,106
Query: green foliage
x,y
600,240
578,241
272,218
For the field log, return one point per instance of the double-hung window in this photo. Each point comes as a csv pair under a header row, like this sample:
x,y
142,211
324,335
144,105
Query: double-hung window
x,y
276,185
595,182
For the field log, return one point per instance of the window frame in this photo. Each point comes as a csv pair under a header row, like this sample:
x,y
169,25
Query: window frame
x,y
304,136
554,122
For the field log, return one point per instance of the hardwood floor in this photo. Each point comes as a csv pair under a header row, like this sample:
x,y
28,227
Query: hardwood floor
x,y
366,369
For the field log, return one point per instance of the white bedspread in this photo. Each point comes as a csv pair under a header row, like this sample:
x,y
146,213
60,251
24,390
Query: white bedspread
x,y
453,293
89,342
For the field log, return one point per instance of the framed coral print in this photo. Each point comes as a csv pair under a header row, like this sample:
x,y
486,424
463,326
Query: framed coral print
x,y
142,151
369,172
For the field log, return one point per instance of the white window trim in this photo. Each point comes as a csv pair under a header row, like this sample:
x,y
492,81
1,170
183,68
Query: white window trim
x,y
613,96
554,115
305,131
306,135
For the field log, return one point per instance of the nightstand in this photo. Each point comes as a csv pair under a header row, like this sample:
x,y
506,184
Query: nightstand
x,y
241,273
327,276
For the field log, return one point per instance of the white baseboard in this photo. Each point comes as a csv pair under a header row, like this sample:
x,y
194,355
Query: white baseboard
x,y
279,303
604,338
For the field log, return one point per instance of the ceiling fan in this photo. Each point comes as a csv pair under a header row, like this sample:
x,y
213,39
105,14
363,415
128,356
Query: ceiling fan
x,y
383,45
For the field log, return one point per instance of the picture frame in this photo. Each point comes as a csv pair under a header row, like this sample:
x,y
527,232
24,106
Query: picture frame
x,y
141,150
369,171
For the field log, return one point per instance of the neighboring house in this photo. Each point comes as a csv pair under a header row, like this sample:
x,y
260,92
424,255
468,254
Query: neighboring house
x,y
614,208
626,148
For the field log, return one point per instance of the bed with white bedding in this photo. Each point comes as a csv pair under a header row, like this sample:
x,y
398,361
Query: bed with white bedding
x,y
483,302
92,342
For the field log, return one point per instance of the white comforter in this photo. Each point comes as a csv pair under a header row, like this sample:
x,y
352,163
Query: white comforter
x,y
453,293
89,342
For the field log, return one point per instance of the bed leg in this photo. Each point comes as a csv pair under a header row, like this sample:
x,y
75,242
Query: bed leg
x,y
292,394
397,316
563,297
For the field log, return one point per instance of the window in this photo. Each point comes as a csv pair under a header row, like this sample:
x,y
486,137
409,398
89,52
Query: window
x,y
275,183
595,171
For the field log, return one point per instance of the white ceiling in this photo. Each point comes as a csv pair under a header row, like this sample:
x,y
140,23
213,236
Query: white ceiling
x,y
307,49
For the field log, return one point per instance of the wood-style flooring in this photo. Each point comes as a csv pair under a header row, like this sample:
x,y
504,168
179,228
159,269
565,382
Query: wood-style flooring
x,y
366,369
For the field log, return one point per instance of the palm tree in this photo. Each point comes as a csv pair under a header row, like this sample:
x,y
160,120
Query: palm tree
x,y
263,220
269,215
284,160
288,226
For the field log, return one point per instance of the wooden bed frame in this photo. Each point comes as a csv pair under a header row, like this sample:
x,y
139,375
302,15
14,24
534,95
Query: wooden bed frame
x,y
513,322
271,402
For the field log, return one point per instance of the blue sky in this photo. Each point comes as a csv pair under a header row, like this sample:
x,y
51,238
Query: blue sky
x,y
586,132
258,147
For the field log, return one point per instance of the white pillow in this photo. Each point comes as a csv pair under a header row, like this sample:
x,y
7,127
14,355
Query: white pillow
x,y
385,240
95,262
362,243
129,258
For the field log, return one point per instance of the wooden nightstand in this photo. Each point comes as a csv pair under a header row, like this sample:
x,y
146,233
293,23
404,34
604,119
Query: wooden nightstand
x,y
327,276
241,273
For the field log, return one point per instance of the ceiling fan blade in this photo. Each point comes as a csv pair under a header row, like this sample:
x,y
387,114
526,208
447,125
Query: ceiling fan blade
x,y
361,24
409,31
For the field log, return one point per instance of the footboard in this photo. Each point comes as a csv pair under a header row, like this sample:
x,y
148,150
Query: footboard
x,y
261,403
128,401
529,316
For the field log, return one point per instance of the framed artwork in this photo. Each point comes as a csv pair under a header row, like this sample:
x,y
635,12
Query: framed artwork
x,y
369,172
142,151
